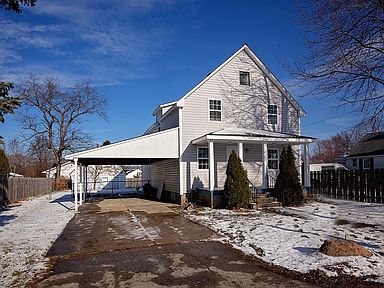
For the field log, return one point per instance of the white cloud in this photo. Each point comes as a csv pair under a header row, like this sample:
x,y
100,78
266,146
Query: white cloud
x,y
105,41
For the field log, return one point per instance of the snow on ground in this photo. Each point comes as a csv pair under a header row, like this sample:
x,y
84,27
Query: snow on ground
x,y
27,230
291,237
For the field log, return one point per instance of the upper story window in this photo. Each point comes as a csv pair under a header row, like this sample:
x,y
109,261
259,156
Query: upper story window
x,y
244,78
202,158
214,110
272,114
366,163
273,159
354,162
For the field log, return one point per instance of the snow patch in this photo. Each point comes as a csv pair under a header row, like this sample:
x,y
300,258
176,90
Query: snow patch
x,y
27,231
291,237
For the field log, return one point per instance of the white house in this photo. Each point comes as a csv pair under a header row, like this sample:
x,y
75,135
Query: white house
x,y
368,153
67,170
101,178
239,106
133,174
326,167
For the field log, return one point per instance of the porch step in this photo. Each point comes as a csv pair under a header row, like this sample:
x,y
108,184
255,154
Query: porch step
x,y
254,205
264,200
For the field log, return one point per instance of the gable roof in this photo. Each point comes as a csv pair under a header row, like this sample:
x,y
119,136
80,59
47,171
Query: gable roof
x,y
371,144
262,67
163,106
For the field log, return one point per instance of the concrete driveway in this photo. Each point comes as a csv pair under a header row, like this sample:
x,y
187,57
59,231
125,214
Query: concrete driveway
x,y
139,243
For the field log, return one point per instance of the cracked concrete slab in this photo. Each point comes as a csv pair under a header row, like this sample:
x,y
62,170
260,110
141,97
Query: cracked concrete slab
x,y
140,243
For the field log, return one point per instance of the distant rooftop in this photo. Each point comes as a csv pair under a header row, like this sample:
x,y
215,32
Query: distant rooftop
x,y
371,144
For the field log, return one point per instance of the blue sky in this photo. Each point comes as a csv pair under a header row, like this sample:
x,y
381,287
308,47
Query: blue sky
x,y
141,53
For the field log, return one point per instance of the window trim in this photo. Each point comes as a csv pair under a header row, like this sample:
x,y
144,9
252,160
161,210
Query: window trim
x,y
274,159
369,163
248,76
198,158
209,110
270,114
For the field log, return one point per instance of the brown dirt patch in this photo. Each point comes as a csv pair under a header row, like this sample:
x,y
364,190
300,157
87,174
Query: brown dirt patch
x,y
341,247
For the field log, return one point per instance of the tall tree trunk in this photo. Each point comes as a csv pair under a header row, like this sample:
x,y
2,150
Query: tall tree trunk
x,y
58,168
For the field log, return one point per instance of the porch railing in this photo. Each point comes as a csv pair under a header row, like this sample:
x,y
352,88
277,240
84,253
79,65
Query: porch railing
x,y
254,192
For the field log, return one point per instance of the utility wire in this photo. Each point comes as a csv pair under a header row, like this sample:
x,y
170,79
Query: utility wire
x,y
326,119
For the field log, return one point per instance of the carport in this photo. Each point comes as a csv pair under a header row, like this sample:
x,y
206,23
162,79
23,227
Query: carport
x,y
142,150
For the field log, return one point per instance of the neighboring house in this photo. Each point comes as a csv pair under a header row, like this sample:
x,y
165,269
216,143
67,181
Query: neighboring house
x,y
99,177
326,167
67,169
240,106
368,153
133,174
11,174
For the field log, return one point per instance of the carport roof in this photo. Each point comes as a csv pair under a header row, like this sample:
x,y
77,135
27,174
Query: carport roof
x,y
140,150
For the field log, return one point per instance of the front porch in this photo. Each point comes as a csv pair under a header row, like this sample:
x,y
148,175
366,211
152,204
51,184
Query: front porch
x,y
259,152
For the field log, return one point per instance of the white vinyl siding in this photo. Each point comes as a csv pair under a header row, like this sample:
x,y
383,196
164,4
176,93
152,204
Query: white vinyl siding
x,y
167,171
170,120
378,161
244,108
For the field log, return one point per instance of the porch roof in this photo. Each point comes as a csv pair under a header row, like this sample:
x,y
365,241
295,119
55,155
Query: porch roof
x,y
140,150
235,135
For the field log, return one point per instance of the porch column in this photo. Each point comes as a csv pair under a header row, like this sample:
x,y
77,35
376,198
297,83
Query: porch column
x,y
241,151
264,152
75,186
307,179
211,167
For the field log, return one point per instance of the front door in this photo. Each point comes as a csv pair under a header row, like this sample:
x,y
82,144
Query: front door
x,y
231,148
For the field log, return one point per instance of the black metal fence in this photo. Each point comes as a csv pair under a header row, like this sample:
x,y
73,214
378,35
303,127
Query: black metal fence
x,y
364,186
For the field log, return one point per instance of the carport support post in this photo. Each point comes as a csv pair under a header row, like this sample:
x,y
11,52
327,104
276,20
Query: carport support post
x,y
75,186
81,185
86,180
211,170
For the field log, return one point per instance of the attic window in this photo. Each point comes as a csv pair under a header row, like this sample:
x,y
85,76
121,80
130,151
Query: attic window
x,y
272,114
244,78
215,110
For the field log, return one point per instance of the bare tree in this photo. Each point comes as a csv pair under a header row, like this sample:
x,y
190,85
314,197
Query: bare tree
x,y
41,155
57,113
14,5
17,156
94,173
345,56
328,150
